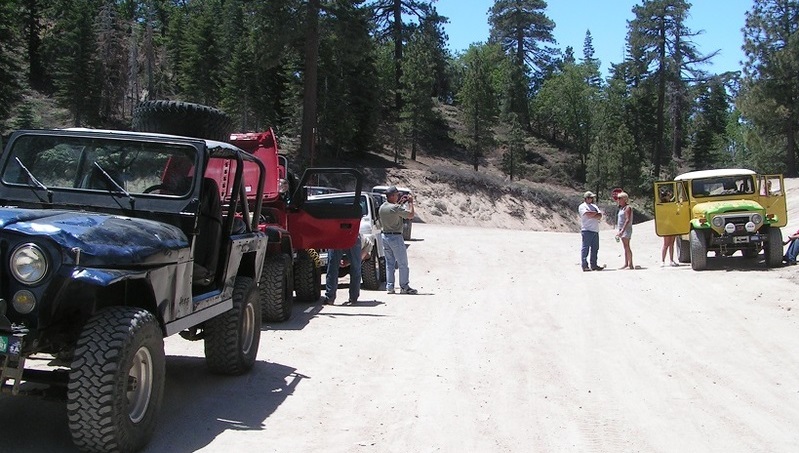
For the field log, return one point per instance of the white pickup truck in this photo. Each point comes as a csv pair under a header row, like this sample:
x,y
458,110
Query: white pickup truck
x,y
373,270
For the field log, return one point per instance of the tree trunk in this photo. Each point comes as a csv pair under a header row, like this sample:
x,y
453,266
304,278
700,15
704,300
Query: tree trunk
x,y
661,100
308,134
791,151
36,76
397,28
677,109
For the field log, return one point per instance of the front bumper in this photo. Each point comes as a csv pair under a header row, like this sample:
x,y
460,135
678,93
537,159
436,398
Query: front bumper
x,y
739,240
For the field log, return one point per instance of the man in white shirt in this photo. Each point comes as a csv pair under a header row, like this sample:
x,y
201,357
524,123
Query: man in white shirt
x,y
590,216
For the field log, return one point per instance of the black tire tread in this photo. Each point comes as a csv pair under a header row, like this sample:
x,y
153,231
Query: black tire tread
x,y
97,420
222,335
182,118
698,250
307,276
774,248
371,276
276,297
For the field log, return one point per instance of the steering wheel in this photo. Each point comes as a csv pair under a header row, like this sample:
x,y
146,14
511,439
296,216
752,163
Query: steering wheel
x,y
154,188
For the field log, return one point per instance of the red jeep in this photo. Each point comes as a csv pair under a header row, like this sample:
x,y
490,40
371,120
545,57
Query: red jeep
x,y
296,226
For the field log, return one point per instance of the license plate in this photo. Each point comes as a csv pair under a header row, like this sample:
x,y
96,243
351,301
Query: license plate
x,y
10,345
740,239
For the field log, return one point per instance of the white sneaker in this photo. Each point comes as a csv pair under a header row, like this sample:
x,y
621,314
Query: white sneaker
x,y
390,291
663,264
673,264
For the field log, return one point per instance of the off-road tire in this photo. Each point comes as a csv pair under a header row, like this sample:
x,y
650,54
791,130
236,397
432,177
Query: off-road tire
x,y
382,269
276,288
406,230
117,347
307,276
773,249
683,250
182,118
232,338
370,271
698,250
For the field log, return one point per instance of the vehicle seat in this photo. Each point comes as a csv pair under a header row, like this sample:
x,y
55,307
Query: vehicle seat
x,y
209,234
96,180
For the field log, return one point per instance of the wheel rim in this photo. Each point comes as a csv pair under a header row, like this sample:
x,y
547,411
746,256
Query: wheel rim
x,y
247,328
140,384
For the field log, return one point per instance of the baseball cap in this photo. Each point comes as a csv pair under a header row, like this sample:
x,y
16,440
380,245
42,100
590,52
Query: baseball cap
x,y
589,194
391,189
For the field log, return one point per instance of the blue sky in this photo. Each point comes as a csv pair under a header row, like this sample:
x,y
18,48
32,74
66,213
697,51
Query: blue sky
x,y
721,21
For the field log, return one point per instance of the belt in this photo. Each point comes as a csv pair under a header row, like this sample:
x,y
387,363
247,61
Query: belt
x,y
386,232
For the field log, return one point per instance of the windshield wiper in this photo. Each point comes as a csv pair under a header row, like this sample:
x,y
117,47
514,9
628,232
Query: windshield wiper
x,y
36,182
108,178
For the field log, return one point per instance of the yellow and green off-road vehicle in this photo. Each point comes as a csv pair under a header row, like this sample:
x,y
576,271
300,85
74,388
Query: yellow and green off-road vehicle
x,y
722,211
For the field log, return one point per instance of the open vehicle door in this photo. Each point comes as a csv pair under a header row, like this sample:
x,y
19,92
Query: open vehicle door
x,y
772,197
672,208
319,223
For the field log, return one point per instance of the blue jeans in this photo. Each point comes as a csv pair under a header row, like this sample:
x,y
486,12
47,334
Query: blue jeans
x,y
333,263
793,250
590,243
396,258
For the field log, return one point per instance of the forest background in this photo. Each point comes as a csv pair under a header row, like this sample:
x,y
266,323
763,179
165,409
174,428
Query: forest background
x,y
347,78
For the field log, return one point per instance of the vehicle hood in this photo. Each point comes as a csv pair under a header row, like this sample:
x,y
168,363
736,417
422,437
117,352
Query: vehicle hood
x,y
726,206
102,239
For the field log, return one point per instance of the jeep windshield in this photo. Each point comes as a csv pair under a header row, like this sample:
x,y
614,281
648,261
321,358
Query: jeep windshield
x,y
721,186
50,163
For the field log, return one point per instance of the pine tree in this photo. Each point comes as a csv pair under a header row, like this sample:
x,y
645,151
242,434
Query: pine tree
x,y
590,62
710,125
570,102
388,17
478,99
660,46
75,66
347,80
523,30
10,64
512,163
418,80
112,64
613,161
770,95
202,64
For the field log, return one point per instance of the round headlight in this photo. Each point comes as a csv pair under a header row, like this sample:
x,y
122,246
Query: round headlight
x,y
750,227
28,264
757,219
23,301
717,222
729,228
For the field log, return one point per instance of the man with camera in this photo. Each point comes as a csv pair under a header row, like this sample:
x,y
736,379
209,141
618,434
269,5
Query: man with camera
x,y
392,214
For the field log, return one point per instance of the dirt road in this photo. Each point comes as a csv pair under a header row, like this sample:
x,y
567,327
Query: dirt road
x,y
508,347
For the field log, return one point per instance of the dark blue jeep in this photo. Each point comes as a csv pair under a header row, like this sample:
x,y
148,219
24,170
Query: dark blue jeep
x,y
109,242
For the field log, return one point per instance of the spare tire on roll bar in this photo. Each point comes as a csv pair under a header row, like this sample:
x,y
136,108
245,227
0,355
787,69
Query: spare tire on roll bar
x,y
182,118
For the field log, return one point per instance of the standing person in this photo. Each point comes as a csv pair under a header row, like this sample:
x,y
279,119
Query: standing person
x,y
331,277
625,228
668,247
590,215
668,241
392,213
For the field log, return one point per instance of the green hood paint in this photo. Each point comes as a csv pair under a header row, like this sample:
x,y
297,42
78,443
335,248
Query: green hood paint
x,y
713,208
